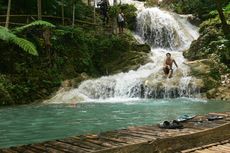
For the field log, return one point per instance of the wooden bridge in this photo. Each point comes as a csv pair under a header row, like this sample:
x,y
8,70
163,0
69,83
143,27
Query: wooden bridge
x,y
198,135
219,147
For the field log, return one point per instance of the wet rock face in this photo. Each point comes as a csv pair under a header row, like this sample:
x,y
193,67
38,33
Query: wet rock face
x,y
212,87
178,86
130,60
141,48
223,91
194,20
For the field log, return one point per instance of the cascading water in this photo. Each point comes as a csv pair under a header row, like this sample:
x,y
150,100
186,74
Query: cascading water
x,y
164,32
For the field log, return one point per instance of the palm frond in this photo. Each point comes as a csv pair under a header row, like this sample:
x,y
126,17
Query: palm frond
x,y
35,23
26,45
4,33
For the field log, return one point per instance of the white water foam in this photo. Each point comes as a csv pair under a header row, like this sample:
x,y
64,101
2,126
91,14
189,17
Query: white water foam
x,y
165,32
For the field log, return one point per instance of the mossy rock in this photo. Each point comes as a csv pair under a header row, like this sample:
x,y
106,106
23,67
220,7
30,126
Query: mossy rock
x,y
5,98
130,60
202,69
141,48
199,48
5,86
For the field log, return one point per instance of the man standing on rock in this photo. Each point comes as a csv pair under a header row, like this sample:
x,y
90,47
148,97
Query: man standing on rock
x,y
168,65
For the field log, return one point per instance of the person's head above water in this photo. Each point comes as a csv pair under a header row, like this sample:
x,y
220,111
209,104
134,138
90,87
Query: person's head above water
x,y
168,55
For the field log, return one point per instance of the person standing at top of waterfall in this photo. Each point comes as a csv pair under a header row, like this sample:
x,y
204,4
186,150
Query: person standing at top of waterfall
x,y
104,7
168,65
121,21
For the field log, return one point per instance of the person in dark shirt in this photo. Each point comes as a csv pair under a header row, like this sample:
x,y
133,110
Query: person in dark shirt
x,y
104,7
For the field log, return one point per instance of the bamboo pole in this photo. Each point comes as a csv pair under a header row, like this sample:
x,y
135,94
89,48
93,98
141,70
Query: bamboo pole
x,y
39,7
115,19
62,13
73,20
8,14
94,11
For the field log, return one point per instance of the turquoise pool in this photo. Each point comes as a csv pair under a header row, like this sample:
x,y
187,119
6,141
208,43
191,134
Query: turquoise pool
x,y
35,123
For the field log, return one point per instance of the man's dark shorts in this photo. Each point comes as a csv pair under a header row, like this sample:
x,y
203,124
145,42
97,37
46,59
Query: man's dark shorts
x,y
121,24
166,70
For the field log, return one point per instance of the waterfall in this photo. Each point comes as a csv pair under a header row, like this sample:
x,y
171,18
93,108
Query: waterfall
x,y
164,32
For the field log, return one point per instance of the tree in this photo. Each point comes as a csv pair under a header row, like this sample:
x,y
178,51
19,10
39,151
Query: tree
x,y
115,18
8,14
62,4
62,12
94,11
39,7
74,7
221,15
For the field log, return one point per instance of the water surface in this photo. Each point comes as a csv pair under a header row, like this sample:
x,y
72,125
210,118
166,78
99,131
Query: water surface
x,y
36,123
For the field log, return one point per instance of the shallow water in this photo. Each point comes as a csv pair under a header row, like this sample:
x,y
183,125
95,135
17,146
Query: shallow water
x,y
36,123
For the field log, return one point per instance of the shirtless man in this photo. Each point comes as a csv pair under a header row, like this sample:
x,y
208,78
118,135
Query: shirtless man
x,y
168,65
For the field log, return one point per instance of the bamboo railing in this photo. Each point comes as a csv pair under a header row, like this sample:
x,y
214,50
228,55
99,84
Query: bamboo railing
x,y
29,17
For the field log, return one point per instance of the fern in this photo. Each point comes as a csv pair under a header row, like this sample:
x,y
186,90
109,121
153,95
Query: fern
x,y
35,23
26,45
4,33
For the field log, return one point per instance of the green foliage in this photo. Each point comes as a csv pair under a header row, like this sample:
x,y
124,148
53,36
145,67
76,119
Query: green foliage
x,y
212,41
227,8
26,45
5,85
217,67
113,11
83,11
35,23
130,15
200,8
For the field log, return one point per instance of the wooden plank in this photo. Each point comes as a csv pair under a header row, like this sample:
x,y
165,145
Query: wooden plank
x,y
86,143
94,142
136,135
150,129
20,149
31,149
116,140
122,137
86,148
139,131
204,151
215,149
67,147
227,144
223,147
46,149
8,150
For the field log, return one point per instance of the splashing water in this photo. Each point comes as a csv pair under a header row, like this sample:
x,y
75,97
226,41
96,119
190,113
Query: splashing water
x,y
164,32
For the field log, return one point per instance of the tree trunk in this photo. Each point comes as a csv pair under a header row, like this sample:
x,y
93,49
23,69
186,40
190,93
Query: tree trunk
x,y
94,11
73,22
8,14
221,15
62,13
89,2
115,19
39,7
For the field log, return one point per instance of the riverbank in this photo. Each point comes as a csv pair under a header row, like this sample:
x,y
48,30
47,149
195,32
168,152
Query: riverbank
x,y
76,55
